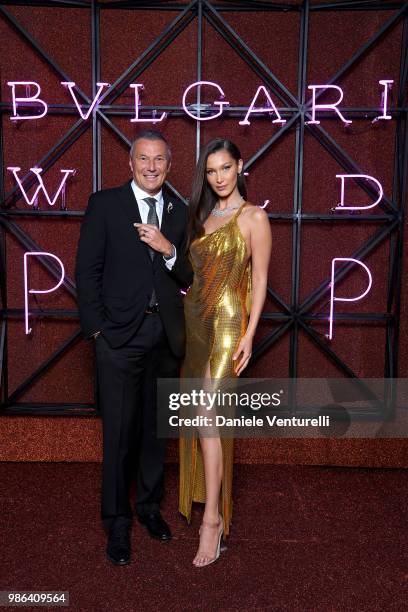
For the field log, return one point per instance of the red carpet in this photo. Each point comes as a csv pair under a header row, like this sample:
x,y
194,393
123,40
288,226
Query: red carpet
x,y
303,538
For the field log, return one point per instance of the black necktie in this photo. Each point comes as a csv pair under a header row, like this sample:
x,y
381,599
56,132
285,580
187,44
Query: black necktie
x,y
152,219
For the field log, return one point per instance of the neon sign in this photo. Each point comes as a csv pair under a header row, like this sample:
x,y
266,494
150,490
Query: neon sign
x,y
343,178
28,99
384,98
325,107
41,187
137,87
71,85
216,103
333,298
270,107
31,101
262,109
27,291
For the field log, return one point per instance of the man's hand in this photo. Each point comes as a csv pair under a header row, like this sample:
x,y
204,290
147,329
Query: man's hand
x,y
152,236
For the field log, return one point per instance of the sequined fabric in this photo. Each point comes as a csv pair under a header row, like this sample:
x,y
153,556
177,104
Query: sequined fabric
x,y
216,310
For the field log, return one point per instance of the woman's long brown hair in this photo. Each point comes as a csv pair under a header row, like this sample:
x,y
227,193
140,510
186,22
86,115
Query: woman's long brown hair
x,y
203,198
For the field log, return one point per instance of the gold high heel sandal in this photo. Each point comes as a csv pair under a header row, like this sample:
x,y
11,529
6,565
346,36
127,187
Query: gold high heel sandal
x,y
207,525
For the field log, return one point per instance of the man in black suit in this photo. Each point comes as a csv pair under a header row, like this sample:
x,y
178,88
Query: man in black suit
x,y
130,268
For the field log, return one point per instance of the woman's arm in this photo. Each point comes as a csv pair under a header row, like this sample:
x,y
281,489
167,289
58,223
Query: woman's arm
x,y
261,244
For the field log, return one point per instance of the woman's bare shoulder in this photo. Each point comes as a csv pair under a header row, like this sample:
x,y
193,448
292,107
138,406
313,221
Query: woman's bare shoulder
x,y
254,214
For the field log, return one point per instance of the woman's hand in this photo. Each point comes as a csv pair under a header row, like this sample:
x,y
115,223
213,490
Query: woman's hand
x,y
243,354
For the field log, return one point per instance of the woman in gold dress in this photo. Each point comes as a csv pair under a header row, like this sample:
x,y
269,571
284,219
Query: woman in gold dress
x,y
230,245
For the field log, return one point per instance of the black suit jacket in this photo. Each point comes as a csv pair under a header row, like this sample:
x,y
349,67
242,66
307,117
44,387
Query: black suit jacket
x,y
114,272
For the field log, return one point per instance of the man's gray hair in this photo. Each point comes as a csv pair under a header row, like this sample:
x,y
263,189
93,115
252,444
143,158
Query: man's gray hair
x,y
151,135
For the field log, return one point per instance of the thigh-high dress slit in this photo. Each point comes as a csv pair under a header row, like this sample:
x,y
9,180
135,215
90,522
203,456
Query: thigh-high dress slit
x,y
216,310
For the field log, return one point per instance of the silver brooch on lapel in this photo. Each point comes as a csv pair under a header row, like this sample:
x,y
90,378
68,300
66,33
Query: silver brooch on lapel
x,y
169,207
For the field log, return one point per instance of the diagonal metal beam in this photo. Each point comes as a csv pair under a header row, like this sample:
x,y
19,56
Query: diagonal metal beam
x,y
146,58
275,296
29,180
265,344
268,144
35,45
73,339
137,68
124,79
327,349
27,242
363,49
367,187
127,142
49,159
342,157
364,250
251,58
250,63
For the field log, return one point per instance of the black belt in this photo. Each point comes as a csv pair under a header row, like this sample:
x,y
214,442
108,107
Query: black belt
x,y
152,309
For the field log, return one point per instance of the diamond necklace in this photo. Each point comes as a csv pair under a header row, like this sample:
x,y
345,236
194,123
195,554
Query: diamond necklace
x,y
216,212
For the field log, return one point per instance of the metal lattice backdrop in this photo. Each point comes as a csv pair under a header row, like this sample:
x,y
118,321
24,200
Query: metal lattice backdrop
x,y
299,313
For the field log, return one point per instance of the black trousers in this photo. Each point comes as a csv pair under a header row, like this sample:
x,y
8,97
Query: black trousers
x,y
127,400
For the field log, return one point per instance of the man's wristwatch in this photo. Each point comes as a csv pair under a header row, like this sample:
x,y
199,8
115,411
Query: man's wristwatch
x,y
173,252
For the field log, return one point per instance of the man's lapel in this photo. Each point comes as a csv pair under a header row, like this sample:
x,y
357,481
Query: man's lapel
x,y
167,216
130,206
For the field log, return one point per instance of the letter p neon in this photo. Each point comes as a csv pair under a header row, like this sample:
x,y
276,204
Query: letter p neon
x,y
27,290
345,299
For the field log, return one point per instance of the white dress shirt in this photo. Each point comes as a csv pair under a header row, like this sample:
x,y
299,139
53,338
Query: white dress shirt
x,y
144,211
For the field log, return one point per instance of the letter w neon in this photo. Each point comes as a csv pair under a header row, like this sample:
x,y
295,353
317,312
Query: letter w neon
x,y
41,186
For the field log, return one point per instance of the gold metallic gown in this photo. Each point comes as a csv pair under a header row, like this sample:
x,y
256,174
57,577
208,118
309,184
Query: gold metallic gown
x,y
216,311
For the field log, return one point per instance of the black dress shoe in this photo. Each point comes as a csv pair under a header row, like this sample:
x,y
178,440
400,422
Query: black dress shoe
x,y
156,526
118,549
